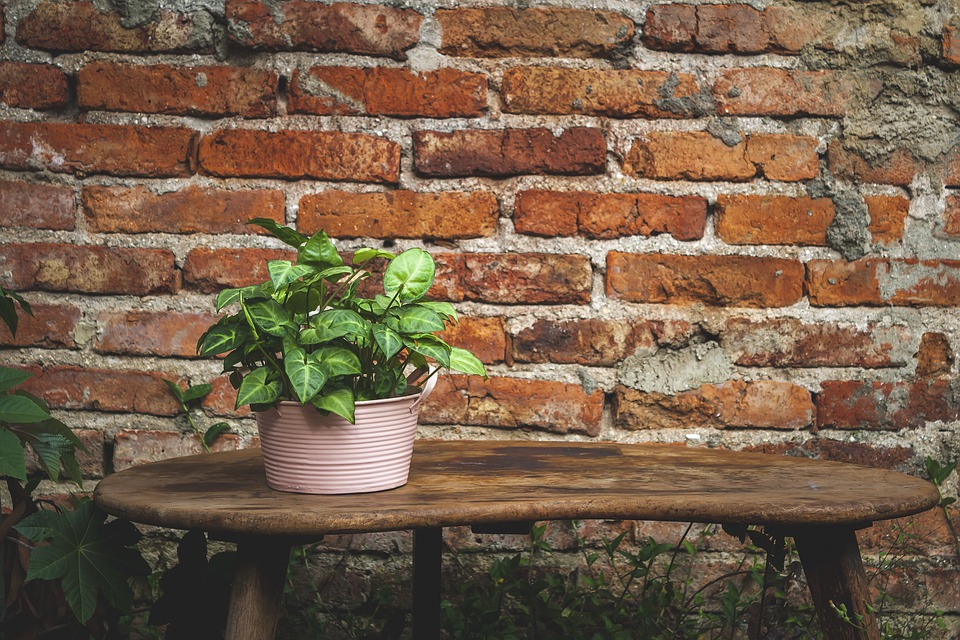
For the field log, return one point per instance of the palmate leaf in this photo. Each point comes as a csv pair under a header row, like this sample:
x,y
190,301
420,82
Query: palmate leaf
x,y
411,274
306,373
465,362
54,451
340,402
260,386
18,409
10,378
12,461
87,555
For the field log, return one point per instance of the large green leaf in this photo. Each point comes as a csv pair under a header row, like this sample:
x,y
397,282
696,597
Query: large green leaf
x,y
410,273
10,378
252,292
260,386
465,362
306,373
445,309
17,409
283,272
334,323
319,249
340,402
338,361
418,319
222,338
388,340
53,450
431,347
12,461
271,317
284,234
87,555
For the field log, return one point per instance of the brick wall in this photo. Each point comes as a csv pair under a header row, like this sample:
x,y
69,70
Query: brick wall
x,y
708,224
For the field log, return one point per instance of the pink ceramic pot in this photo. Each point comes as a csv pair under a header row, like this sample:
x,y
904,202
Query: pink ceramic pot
x,y
307,452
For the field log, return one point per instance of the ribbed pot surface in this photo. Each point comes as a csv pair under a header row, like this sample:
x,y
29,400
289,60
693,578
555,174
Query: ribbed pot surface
x,y
307,452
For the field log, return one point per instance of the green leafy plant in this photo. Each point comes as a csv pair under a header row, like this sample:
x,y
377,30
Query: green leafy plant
x,y
307,335
188,398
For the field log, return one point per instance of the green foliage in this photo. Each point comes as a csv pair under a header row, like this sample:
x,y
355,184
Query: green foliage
x,y
190,397
307,335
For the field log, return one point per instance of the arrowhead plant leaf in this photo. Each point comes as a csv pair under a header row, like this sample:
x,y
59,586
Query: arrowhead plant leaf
x,y
411,274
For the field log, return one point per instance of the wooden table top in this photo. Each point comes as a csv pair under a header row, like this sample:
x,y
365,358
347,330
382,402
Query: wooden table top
x,y
473,482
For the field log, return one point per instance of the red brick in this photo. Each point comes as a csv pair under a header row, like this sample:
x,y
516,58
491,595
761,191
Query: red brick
x,y
294,25
924,534
514,403
609,215
897,168
486,338
91,462
223,398
591,342
32,86
951,217
765,91
888,215
88,269
883,282
851,404
951,177
497,32
297,155
190,91
766,404
376,91
513,278
37,205
132,447
153,152
151,333
725,28
449,215
745,219
789,342
735,281
51,326
79,26
598,92
112,390
510,152
192,209
935,357
211,270
669,155
951,44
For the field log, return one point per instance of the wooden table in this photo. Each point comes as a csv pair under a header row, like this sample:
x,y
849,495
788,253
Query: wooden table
x,y
820,504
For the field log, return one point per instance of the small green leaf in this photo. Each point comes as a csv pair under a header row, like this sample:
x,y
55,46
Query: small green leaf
x,y
388,340
258,387
366,254
445,309
271,317
196,392
12,462
252,292
214,431
307,375
418,319
465,362
17,409
319,249
282,233
10,378
283,272
340,402
431,347
411,274
334,323
338,361
220,339
174,389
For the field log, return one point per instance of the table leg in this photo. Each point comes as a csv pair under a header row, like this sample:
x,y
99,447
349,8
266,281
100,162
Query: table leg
x,y
427,565
831,561
257,589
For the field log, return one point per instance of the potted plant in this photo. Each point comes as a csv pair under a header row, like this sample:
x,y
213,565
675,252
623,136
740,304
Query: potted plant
x,y
335,379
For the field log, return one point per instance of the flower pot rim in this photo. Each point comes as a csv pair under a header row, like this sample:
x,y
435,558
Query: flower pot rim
x,y
360,403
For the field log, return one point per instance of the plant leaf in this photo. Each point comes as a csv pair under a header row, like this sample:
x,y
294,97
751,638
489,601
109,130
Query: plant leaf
x,y
18,409
340,402
271,317
418,319
307,375
366,254
338,361
284,234
174,389
10,378
12,461
334,323
196,392
320,249
431,347
258,387
214,431
283,272
465,362
220,339
445,309
252,292
388,340
411,273
52,450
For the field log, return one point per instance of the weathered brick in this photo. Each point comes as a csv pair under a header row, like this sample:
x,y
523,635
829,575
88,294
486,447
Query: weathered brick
x,y
951,173
591,342
91,461
726,28
447,215
888,216
32,86
496,32
486,338
153,333
898,168
112,390
223,398
79,26
935,357
852,404
766,404
191,91
951,44
924,534
294,25
51,326
37,205
192,209
297,155
951,217
597,92
765,91
510,152
734,281
609,215
376,91
513,278
154,152
87,269
668,155
883,282
746,219
790,342
210,270
514,403
132,447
